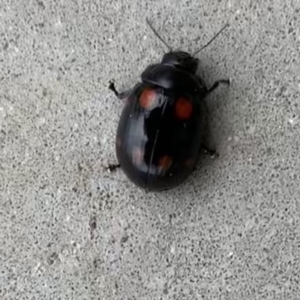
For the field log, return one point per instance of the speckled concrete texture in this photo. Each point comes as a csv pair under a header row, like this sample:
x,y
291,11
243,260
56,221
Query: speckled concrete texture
x,y
70,230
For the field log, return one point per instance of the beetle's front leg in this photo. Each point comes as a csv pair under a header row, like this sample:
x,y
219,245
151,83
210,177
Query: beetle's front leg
x,y
122,95
217,83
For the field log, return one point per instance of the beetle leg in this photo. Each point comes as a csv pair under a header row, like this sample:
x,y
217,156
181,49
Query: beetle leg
x,y
122,95
217,83
210,152
112,168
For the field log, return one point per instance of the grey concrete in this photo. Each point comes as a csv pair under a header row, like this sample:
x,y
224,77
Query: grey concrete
x,y
70,230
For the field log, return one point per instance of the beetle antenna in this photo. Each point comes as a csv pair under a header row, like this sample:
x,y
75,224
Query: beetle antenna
x,y
216,35
155,32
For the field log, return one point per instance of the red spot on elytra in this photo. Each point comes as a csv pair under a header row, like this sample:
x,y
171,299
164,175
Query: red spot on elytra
x,y
148,98
165,163
183,108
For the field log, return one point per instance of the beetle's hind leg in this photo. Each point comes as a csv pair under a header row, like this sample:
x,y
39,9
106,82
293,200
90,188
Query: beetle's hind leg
x,y
112,168
217,83
209,151
122,95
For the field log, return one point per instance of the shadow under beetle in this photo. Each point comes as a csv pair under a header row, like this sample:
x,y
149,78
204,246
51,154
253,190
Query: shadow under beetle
x,y
161,129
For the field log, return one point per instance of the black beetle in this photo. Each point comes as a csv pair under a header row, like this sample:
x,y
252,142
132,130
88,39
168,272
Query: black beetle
x,y
161,129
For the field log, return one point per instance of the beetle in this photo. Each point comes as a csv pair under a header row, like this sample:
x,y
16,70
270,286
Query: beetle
x,y
161,129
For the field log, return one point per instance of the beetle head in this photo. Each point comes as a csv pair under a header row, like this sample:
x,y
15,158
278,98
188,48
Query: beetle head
x,y
181,60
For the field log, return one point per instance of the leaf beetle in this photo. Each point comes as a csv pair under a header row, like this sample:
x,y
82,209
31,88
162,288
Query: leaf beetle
x,y
161,129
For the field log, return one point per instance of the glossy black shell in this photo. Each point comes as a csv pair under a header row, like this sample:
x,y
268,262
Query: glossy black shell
x,y
156,147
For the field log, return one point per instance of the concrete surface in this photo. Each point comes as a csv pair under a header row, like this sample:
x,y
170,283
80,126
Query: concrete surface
x,y
70,230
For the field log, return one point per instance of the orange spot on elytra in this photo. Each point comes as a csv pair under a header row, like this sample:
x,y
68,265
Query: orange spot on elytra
x,y
183,108
147,98
165,163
